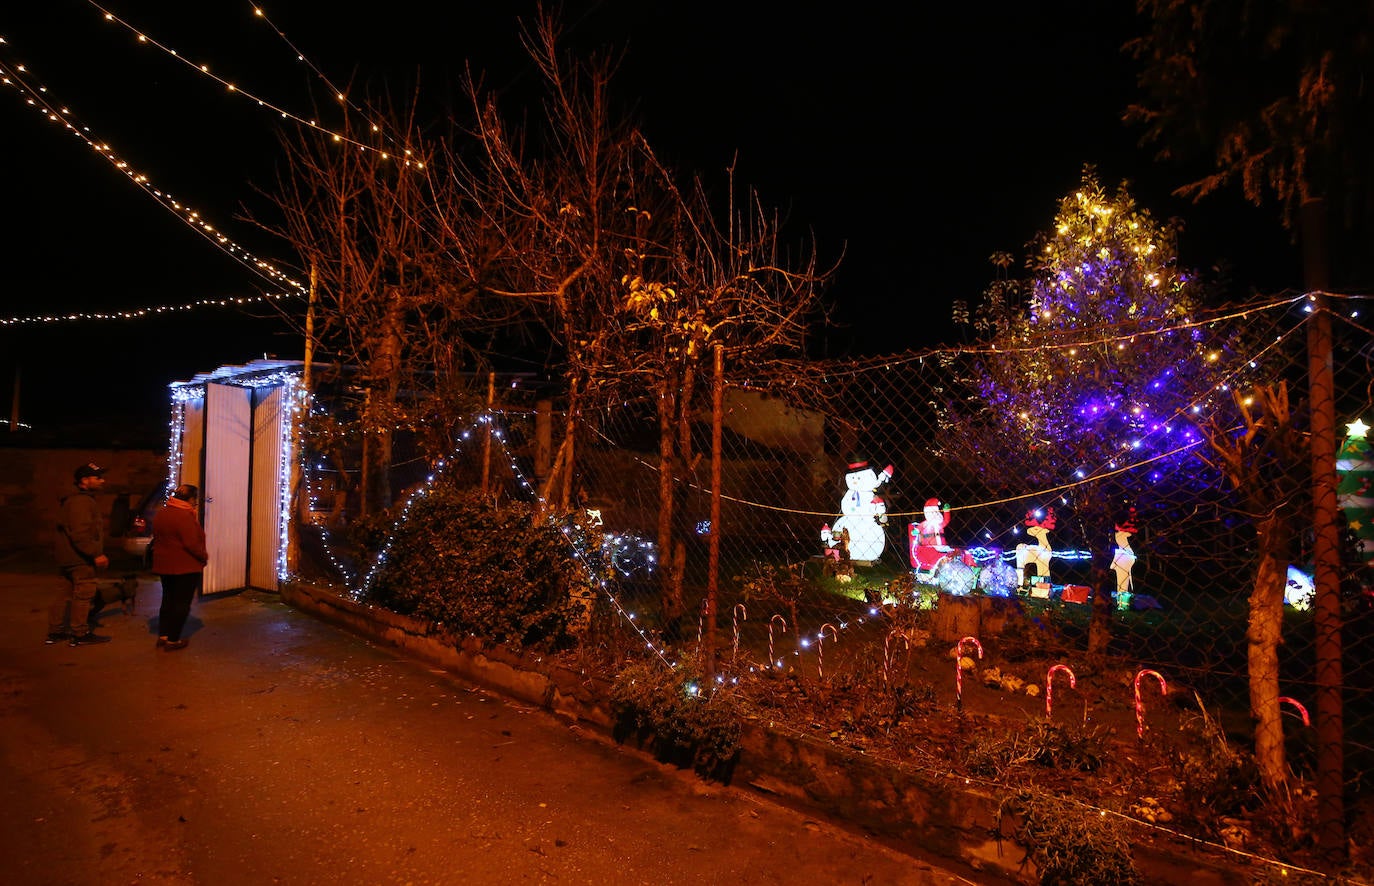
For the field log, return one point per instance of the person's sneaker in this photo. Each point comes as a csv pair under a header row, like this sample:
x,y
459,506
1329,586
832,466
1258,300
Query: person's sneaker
x,y
87,639
161,642
56,637
174,645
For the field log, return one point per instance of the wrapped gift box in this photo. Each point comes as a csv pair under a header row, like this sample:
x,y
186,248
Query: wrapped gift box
x,y
1075,593
1040,590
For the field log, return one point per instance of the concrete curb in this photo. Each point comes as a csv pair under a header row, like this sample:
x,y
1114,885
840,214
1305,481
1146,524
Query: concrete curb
x,y
920,813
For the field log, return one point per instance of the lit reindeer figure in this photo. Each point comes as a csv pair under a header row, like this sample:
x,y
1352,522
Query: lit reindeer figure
x,y
1038,553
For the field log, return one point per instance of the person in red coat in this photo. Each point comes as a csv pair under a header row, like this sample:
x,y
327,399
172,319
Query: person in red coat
x,y
179,558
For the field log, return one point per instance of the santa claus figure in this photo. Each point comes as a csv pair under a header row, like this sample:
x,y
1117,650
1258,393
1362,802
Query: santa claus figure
x,y
927,540
863,513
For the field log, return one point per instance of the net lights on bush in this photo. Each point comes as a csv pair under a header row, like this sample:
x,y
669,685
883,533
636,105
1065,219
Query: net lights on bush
x,y
626,555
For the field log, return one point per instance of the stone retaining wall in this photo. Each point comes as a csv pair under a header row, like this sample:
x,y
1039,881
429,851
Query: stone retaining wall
x,y
926,815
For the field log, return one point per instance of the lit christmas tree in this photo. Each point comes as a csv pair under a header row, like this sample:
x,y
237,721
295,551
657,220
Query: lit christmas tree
x,y
1094,377
1093,364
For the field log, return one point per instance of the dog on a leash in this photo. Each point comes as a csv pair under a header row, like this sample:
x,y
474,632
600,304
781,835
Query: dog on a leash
x,y
124,592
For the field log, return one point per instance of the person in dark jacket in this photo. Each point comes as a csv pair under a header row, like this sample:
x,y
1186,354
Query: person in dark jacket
x,y
80,551
179,558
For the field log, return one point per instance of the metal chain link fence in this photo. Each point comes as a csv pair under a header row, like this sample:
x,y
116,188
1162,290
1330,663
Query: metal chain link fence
x,y
1110,500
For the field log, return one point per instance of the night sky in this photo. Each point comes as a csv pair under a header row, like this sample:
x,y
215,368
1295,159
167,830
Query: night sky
x,y
915,143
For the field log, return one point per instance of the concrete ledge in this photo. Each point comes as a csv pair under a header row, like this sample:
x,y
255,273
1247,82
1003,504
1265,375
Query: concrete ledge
x,y
924,814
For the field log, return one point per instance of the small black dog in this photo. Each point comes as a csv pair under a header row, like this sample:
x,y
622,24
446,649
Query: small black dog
x,y
124,592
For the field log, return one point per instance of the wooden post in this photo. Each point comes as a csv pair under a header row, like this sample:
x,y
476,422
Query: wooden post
x,y
1331,835
486,443
300,498
713,567
543,440
310,330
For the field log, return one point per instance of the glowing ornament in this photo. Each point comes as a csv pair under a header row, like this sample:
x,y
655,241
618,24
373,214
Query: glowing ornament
x,y
863,514
1300,590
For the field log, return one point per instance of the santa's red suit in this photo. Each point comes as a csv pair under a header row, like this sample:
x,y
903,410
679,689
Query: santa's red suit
x,y
928,537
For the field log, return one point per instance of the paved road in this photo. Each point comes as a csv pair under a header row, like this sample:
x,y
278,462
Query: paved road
x,y
277,749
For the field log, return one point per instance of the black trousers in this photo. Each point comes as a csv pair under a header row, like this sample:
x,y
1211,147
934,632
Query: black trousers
x,y
177,591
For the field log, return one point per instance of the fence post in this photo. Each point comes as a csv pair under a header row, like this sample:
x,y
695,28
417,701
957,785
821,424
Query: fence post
x,y
486,442
1331,837
543,440
713,563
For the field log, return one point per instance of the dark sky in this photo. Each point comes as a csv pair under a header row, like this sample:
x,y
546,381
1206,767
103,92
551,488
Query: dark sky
x,y
915,142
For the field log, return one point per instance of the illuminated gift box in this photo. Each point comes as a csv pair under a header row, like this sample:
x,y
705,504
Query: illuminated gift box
x,y
1075,593
1040,590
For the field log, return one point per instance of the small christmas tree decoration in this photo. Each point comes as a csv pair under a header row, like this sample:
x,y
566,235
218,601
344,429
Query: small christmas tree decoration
x,y
1354,472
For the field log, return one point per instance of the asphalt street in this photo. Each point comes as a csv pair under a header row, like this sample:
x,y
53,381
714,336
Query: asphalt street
x,y
276,749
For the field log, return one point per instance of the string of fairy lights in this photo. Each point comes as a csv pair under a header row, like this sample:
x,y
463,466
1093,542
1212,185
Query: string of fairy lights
x,y
405,155
35,95
203,70
592,564
139,313
1082,477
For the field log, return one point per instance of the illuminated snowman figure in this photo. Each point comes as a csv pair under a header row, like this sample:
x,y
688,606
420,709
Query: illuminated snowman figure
x,y
863,513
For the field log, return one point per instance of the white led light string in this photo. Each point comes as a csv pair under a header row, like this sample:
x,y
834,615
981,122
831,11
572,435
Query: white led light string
x,y
204,70
36,96
139,313
358,591
300,57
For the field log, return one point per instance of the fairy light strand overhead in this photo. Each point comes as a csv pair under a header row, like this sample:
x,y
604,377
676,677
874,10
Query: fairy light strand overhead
x,y
34,94
204,70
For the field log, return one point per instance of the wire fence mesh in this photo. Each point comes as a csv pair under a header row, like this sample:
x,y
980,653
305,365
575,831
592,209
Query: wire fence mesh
x,y
1126,491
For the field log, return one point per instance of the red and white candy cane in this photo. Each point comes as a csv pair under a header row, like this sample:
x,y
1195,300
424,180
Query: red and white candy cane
x,y
783,621
820,647
1306,720
959,671
1049,684
740,614
1139,706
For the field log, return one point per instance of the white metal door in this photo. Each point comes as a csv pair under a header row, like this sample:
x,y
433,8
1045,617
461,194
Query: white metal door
x,y
228,439
265,525
192,444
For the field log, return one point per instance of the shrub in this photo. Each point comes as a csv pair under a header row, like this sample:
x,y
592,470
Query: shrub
x,y
479,568
1041,743
690,725
1068,843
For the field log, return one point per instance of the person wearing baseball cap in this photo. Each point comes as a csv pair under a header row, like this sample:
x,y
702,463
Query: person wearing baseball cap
x,y
80,550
